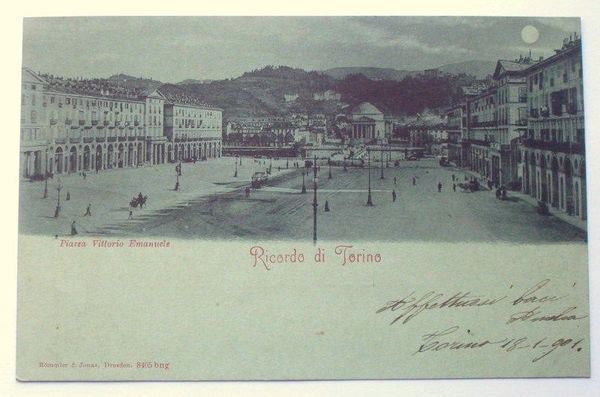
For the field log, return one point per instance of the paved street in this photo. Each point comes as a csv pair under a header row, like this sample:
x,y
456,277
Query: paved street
x,y
280,211
110,191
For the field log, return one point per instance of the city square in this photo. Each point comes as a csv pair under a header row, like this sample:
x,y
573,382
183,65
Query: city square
x,y
212,204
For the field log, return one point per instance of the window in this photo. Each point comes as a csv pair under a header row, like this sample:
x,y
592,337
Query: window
x,y
33,116
22,99
33,99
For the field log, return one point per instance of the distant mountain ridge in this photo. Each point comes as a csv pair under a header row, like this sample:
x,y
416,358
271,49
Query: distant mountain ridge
x,y
371,72
478,68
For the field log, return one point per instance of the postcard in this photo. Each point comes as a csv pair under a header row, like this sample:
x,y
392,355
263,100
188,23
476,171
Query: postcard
x,y
302,198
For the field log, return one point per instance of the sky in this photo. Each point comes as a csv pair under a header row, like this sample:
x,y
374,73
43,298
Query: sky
x,y
172,49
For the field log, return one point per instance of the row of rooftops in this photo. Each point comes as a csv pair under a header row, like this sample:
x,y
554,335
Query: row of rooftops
x,y
103,88
522,66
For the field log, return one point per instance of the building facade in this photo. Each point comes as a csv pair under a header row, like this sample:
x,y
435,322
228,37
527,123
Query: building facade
x,y
193,131
70,126
368,124
553,150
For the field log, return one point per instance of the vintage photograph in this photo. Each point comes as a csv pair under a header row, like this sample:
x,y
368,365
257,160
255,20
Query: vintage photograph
x,y
302,198
304,128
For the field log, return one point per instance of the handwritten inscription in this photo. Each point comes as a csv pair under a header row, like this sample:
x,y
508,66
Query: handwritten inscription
x,y
450,339
535,304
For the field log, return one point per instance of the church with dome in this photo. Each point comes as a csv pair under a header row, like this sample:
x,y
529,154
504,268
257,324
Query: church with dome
x,y
368,124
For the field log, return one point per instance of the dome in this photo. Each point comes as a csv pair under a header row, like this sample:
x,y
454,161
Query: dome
x,y
365,108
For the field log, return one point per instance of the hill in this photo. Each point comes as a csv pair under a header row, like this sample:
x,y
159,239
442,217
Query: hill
x,y
132,82
477,68
372,73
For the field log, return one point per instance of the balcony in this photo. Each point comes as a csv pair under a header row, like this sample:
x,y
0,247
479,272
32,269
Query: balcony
x,y
81,122
111,139
484,124
94,122
53,121
106,122
100,127
122,139
100,139
479,142
554,146
521,122
523,99
136,123
68,121
534,113
60,141
131,138
88,139
74,140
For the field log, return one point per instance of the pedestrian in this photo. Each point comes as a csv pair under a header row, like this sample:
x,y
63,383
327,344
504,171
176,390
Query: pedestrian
x,y
394,196
414,181
439,186
453,177
395,181
84,174
68,195
88,210
73,229
454,186
247,191
130,213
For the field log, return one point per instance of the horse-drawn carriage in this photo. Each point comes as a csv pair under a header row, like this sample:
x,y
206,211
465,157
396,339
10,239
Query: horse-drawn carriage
x,y
471,186
258,180
138,200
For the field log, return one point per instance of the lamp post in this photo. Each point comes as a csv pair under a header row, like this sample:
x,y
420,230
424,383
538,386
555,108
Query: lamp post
x,y
315,205
236,170
387,160
329,161
369,198
303,184
46,177
381,165
59,187
177,173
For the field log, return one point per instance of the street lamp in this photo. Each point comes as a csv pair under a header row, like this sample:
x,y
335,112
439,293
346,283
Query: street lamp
x,y
387,160
59,187
303,184
177,173
381,165
369,198
315,205
46,177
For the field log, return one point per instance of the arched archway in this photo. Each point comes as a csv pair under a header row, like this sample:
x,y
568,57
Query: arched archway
x,y
98,157
543,180
568,191
554,199
140,153
130,155
73,159
120,156
110,157
86,158
58,160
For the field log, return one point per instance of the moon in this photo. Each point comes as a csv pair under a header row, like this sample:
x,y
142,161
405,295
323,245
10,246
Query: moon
x,y
530,34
